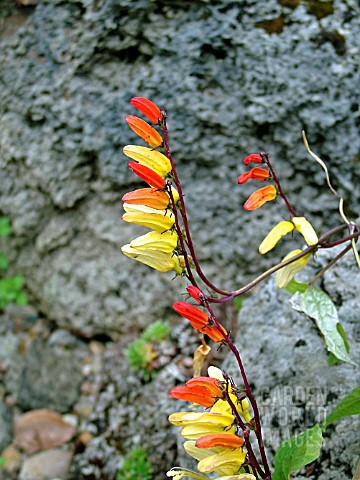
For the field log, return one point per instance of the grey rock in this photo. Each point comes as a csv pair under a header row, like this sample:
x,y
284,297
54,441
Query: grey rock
x,y
5,425
230,88
287,366
46,465
48,374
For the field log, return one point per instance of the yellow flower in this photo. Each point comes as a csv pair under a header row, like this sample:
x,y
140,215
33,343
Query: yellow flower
x,y
272,238
306,229
211,419
161,261
164,242
194,432
227,462
285,274
150,158
220,460
158,220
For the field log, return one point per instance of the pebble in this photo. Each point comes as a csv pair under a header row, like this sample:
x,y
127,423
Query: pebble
x,y
46,465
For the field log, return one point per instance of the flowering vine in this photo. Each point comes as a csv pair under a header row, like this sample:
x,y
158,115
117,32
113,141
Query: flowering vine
x,y
222,438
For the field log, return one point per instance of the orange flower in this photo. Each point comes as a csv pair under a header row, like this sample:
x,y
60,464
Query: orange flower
x,y
253,158
255,173
259,197
150,197
143,129
148,108
226,440
200,321
148,175
204,391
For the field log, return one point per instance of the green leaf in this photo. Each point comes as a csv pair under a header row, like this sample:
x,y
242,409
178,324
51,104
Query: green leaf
x,y
350,405
4,262
319,307
5,227
293,286
297,452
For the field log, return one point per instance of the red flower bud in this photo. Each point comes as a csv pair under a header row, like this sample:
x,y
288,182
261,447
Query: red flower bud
x,y
200,321
148,108
148,175
195,293
253,158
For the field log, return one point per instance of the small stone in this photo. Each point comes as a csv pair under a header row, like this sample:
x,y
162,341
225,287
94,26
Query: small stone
x,y
12,458
46,465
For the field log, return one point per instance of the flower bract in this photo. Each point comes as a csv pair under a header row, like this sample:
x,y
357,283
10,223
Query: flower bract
x,y
259,197
150,197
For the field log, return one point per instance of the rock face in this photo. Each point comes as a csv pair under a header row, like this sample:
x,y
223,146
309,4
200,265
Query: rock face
x,y
234,76
287,365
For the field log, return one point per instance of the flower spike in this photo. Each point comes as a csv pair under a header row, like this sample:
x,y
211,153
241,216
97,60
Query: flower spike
x,y
143,129
259,197
148,108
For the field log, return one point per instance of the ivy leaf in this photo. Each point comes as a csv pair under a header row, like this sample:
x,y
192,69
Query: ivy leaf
x,y
297,452
349,405
319,307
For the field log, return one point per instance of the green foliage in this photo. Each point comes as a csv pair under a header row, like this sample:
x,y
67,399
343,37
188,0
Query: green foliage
x,y
319,306
297,452
293,286
350,405
2,461
157,331
5,227
11,287
136,466
141,354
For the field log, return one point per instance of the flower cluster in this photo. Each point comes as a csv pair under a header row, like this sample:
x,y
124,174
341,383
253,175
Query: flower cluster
x,y
264,194
211,437
300,224
151,207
